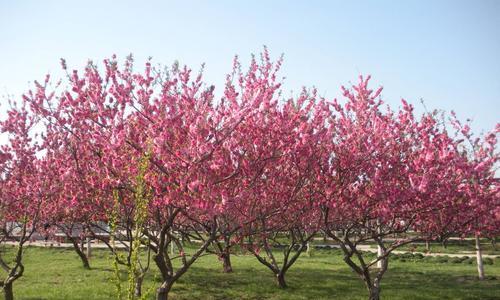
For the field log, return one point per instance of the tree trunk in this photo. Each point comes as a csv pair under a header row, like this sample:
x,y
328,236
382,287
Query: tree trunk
x,y
7,290
226,255
280,279
479,256
427,246
226,261
380,252
138,286
83,257
163,290
374,293
89,248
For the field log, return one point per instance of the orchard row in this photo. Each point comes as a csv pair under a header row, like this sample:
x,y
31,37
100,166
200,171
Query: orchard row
x,y
158,158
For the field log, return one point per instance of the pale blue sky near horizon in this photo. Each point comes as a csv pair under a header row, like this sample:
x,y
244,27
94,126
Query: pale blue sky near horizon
x,y
444,52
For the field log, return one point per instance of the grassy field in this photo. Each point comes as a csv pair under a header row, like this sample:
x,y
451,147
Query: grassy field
x,y
57,274
454,247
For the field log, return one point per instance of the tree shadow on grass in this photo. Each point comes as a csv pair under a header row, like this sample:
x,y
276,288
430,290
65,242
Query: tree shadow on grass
x,y
336,283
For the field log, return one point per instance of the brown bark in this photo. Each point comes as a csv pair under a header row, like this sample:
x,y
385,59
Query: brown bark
x,y
163,290
8,292
226,262
226,255
89,248
374,294
280,280
138,286
78,250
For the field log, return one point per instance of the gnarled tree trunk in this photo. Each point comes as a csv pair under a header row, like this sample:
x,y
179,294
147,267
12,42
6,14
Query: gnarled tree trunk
x,y
280,279
226,261
226,255
163,290
8,292
374,294
79,251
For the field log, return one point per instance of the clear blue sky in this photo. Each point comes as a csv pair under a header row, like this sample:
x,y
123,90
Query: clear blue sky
x,y
446,52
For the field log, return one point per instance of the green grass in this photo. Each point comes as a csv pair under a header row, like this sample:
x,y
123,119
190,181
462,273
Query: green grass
x,y
454,247
57,274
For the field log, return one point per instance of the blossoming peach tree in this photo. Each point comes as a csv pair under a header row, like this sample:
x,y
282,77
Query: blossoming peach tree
x,y
23,191
393,179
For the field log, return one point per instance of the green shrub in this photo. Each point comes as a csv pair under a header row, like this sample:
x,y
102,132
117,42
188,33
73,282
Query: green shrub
x,y
407,255
469,261
442,259
418,256
456,260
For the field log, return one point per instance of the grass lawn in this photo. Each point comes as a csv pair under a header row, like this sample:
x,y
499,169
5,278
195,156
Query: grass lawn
x,y
454,247
57,274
